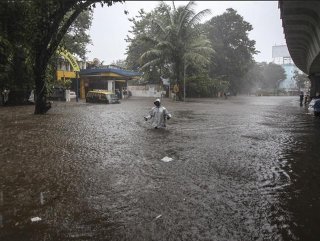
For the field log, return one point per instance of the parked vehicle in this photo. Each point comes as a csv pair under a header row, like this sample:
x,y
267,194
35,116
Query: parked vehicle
x,y
102,96
311,104
316,107
73,95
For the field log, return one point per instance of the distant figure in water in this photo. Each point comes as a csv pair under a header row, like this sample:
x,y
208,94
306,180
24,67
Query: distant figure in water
x,y
301,97
159,115
225,95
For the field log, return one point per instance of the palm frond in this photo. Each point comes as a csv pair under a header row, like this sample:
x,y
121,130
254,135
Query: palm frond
x,y
196,59
174,6
159,25
146,38
185,12
150,54
151,63
183,19
196,19
177,36
201,41
164,45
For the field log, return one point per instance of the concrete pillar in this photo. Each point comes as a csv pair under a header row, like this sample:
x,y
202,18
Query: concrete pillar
x,y
82,89
315,85
67,95
111,85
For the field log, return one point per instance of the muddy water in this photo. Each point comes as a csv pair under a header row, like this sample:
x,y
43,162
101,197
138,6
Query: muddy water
x,y
246,168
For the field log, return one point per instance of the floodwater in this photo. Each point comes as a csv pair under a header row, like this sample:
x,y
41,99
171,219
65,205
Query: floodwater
x,y
246,168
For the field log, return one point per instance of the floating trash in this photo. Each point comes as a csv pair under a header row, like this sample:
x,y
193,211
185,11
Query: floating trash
x,y
159,216
167,159
1,198
41,198
35,219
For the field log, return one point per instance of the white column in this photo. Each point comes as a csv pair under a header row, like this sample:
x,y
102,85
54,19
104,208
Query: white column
x,y
110,85
67,95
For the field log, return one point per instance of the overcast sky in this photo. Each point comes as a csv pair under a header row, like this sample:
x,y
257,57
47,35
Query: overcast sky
x,y
110,25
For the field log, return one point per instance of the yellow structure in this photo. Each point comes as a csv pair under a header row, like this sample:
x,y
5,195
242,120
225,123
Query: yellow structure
x,y
67,69
63,74
103,77
68,56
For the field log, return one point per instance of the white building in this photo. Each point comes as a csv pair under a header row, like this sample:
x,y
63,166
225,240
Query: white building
x,y
281,56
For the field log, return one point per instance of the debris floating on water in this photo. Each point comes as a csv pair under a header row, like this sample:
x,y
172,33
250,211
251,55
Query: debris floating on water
x,y
159,216
167,159
1,198
35,219
41,198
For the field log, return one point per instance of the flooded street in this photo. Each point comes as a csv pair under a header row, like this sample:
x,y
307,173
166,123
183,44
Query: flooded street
x,y
246,168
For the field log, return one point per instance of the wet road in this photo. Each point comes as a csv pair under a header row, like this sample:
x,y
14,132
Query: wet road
x,y
246,168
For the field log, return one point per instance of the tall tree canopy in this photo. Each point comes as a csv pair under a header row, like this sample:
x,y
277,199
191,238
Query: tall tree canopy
x,y
77,38
42,24
136,41
265,77
15,60
300,78
253,79
273,75
234,50
175,41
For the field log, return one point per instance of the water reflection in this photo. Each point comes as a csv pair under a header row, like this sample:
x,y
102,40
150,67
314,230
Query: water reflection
x,y
302,197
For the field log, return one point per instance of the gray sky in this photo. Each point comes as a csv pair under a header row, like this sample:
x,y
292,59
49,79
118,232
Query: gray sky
x,y
110,25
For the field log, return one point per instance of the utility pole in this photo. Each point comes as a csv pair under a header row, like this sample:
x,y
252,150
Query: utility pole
x,y
77,82
184,80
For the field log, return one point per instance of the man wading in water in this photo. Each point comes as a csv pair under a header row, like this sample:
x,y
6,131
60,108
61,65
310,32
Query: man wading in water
x,y
159,115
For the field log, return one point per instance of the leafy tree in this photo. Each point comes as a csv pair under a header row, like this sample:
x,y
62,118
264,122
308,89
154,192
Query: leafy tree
x,y
253,79
76,39
177,42
273,74
142,28
137,46
15,61
45,23
234,50
265,77
5,53
95,63
203,86
120,63
300,79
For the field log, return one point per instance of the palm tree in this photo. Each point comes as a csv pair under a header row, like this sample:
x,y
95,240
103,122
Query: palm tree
x,y
178,42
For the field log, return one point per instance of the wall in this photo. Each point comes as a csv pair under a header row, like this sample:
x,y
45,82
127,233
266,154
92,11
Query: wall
x,y
145,90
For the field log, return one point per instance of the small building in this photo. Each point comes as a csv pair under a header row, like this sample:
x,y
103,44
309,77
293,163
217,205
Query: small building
x,y
109,77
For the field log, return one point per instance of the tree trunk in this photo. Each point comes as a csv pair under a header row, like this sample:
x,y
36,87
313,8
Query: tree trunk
x,y
180,93
41,105
179,82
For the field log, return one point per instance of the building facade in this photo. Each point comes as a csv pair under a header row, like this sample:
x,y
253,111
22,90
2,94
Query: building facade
x,y
108,77
281,56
